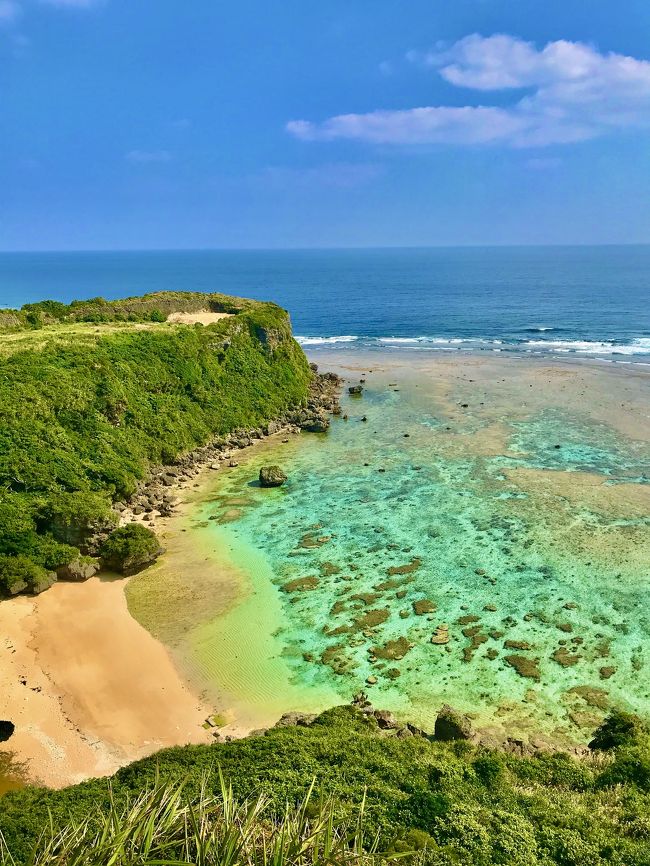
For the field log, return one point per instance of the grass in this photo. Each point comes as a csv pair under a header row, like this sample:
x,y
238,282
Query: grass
x,y
83,333
167,826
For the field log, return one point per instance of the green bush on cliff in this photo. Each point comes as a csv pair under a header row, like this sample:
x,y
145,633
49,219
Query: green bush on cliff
x,y
130,548
83,421
19,574
454,802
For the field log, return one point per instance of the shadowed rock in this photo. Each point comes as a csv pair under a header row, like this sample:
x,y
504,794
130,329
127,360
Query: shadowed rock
x,y
452,725
79,569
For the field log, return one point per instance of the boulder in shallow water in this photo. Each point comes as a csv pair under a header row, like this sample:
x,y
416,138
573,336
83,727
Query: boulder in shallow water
x,y
355,390
452,725
272,476
317,423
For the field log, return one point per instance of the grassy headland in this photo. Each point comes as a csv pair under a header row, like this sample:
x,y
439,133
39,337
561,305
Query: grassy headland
x,y
94,393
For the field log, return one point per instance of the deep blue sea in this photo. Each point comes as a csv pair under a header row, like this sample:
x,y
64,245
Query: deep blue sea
x,y
590,301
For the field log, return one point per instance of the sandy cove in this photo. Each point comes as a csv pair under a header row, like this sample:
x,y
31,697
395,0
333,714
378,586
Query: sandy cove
x,y
88,688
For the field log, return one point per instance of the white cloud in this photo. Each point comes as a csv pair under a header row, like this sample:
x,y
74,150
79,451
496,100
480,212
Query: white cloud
x,y
148,156
573,93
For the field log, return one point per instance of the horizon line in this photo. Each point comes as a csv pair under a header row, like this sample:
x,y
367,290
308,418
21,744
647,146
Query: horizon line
x,y
351,248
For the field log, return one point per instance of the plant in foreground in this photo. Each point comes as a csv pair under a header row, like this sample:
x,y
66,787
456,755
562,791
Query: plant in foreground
x,y
164,826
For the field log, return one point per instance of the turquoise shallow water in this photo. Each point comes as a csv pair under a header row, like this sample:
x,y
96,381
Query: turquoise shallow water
x,y
376,521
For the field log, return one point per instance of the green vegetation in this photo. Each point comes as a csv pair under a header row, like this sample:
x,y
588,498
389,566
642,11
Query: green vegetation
x,y
20,574
129,548
153,307
164,825
84,419
454,802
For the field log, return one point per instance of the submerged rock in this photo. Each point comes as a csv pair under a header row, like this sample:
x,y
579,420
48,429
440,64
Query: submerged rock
x,y
525,667
393,649
441,635
423,606
301,584
272,476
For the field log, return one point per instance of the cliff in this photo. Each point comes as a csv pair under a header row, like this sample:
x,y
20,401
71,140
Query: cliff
x,y
96,393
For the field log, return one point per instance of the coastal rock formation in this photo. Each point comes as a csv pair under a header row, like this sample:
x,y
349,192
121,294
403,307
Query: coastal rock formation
x,y
155,495
130,549
290,720
272,476
79,569
452,725
43,582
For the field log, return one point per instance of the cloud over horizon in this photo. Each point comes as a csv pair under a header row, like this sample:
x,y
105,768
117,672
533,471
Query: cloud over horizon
x,y
573,93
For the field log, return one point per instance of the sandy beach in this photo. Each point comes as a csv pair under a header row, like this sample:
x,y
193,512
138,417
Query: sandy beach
x,y
87,687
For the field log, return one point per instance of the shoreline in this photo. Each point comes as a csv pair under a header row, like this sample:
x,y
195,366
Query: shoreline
x,y
80,737
68,729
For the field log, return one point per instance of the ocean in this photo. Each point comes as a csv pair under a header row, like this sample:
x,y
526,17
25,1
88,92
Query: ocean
x,y
473,528
586,301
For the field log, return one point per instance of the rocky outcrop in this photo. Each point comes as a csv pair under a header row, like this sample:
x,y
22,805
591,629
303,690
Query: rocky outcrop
x,y
79,569
157,496
291,720
130,549
42,583
272,476
452,725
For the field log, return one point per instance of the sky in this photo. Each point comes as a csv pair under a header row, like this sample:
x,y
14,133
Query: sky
x,y
147,124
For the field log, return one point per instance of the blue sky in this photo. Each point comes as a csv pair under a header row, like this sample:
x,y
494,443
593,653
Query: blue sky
x,y
156,123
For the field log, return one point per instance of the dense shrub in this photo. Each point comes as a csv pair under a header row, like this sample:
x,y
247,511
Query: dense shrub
x,y
618,729
465,806
19,574
130,548
84,420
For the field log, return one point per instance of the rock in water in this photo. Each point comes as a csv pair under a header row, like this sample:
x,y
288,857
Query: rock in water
x,y
272,476
452,725
355,390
